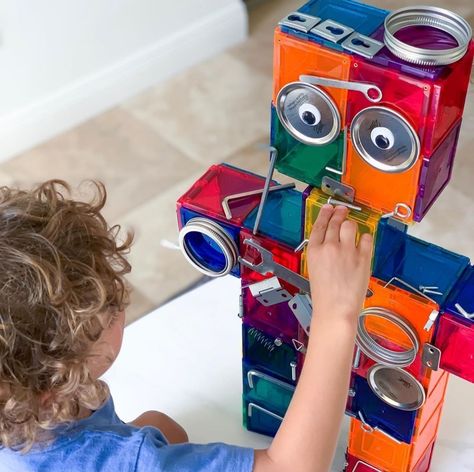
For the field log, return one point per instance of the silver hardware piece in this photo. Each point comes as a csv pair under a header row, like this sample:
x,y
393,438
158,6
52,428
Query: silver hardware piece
x,y
337,189
351,393
332,30
364,88
385,139
370,429
308,113
356,361
396,387
278,342
372,348
411,287
251,374
293,370
268,266
435,17
218,235
401,210
302,308
431,356
238,196
362,45
302,245
300,21
271,170
431,320
333,201
241,306
299,346
344,158
469,316
365,465
433,315
431,291
254,406
269,292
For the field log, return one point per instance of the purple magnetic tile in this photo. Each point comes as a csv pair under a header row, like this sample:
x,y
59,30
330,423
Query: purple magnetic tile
x,y
436,173
277,320
419,36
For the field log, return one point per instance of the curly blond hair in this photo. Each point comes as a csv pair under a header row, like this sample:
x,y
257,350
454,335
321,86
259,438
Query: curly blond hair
x,y
62,269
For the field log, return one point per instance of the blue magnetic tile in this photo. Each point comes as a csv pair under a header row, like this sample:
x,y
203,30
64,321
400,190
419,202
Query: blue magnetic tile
x,y
462,294
259,419
281,217
378,414
261,351
266,390
365,19
416,262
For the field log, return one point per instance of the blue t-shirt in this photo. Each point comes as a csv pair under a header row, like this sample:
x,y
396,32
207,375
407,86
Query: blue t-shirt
x,y
102,442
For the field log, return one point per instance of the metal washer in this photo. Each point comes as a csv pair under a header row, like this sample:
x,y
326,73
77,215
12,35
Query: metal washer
x,y
401,155
290,100
396,387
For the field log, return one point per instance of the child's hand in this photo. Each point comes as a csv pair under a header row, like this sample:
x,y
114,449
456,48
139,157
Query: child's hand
x,y
338,269
339,273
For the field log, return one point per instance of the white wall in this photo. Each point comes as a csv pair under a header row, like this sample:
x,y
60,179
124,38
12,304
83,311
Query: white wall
x,y
62,61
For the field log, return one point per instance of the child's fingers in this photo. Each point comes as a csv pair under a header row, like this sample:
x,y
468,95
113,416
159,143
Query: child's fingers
x,y
334,226
348,233
366,245
320,225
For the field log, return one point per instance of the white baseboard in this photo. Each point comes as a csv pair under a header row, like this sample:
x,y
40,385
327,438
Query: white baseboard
x,y
95,93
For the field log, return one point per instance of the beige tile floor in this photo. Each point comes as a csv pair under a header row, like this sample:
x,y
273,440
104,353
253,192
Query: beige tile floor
x,y
151,148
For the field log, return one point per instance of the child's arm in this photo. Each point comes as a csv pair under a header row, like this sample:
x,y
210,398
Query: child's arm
x,y
339,273
172,431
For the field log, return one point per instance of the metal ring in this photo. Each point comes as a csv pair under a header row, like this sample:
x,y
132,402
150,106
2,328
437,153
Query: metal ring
x,y
439,18
219,235
382,355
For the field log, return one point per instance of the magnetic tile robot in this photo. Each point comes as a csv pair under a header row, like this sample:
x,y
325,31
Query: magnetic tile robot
x,y
366,110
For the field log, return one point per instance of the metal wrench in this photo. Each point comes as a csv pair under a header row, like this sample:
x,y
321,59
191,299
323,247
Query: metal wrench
x,y
269,266
364,88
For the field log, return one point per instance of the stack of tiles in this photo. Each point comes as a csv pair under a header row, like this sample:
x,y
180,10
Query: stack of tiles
x,y
366,110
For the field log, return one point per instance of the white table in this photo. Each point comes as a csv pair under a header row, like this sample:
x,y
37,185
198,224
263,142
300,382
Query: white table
x,y
185,360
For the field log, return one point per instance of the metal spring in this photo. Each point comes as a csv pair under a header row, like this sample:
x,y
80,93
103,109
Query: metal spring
x,y
265,341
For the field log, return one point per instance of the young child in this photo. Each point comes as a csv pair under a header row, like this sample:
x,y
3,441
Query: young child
x,y
62,302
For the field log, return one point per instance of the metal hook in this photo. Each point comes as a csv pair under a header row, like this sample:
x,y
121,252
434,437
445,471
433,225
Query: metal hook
x,y
400,214
469,316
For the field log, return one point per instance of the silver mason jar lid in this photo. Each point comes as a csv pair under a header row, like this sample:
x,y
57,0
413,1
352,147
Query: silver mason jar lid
x,y
435,17
308,113
396,387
